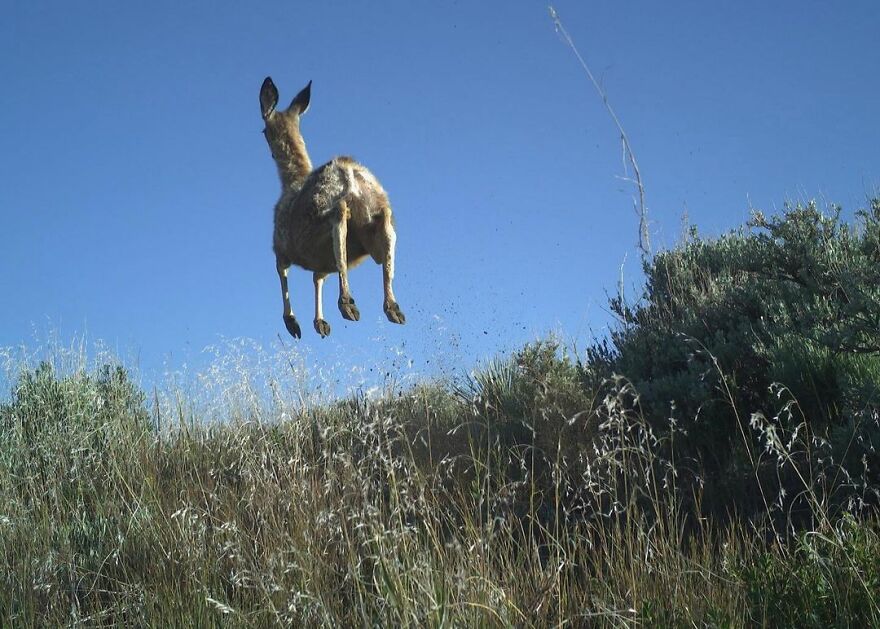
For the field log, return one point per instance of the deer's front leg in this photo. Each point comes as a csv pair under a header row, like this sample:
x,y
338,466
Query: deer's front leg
x,y
340,236
321,326
289,320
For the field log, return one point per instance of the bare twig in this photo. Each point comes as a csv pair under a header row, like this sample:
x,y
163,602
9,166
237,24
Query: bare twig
x,y
628,155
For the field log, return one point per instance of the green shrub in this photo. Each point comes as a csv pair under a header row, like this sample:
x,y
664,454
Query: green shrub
x,y
830,580
70,448
793,299
56,424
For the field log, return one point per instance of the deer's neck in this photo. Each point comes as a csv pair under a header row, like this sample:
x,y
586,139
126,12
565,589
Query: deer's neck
x,y
293,164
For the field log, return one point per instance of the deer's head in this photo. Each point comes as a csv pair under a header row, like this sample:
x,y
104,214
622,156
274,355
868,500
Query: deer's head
x,y
282,130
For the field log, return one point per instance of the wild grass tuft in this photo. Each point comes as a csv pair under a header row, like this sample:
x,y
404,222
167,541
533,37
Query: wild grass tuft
x,y
514,500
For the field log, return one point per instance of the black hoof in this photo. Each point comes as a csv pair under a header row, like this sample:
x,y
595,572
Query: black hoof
x,y
348,309
292,326
322,327
394,313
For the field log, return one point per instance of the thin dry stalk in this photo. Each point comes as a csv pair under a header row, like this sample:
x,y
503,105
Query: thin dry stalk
x,y
628,156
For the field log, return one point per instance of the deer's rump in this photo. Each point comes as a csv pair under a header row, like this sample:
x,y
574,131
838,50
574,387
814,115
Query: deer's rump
x,y
304,221
310,246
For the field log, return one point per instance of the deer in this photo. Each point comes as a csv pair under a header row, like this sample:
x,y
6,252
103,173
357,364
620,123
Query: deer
x,y
327,220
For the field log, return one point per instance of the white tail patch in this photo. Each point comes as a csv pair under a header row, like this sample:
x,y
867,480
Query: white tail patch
x,y
351,185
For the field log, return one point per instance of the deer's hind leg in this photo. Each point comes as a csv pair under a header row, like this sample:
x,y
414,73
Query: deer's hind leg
x,y
289,320
321,326
381,248
340,239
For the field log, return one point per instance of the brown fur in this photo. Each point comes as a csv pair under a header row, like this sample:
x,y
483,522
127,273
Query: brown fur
x,y
338,201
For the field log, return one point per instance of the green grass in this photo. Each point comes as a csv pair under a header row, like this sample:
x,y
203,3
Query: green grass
x,y
515,498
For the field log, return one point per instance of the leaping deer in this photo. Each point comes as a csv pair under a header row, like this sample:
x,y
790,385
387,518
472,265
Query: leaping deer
x,y
327,220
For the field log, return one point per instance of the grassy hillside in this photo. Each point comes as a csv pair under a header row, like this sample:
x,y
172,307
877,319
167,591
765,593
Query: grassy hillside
x,y
713,462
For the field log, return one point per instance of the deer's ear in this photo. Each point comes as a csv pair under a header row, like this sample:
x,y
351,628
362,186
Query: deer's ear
x,y
300,104
268,97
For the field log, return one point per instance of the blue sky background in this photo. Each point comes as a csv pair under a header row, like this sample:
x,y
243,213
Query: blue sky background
x,y
136,189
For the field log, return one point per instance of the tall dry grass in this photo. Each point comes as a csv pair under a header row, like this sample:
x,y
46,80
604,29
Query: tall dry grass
x,y
514,497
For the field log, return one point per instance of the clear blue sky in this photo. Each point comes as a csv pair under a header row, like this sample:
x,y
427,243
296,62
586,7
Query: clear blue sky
x,y
136,189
